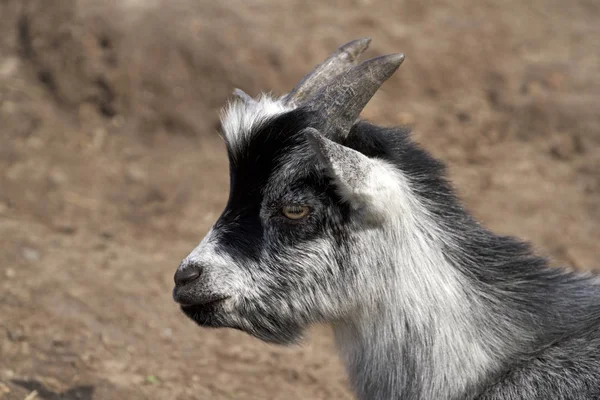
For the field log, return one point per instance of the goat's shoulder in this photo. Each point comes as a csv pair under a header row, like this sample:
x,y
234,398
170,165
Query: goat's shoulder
x,y
567,369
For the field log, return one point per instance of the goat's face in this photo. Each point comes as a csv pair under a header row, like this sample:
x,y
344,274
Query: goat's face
x,y
286,249
271,264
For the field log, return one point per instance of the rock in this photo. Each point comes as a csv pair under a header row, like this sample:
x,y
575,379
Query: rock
x,y
30,254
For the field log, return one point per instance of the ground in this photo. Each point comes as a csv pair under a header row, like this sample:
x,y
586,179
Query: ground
x,y
111,169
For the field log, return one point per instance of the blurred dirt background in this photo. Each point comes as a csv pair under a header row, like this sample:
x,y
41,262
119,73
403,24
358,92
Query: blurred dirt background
x,y
111,170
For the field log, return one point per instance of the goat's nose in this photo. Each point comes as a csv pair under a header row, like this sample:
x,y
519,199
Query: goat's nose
x,y
187,273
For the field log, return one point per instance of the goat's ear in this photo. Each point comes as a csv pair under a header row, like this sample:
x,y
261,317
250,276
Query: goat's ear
x,y
360,180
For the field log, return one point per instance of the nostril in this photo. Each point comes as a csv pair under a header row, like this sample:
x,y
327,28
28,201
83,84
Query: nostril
x,y
187,274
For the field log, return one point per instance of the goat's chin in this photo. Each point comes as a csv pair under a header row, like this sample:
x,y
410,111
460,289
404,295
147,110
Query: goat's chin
x,y
208,316
214,316
284,337
269,330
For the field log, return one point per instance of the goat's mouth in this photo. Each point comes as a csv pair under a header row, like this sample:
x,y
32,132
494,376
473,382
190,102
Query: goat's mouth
x,y
204,304
206,312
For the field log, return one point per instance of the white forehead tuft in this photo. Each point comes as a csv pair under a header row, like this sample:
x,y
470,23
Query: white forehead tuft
x,y
239,116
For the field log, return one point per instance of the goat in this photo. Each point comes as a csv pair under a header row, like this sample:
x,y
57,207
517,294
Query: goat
x,y
331,219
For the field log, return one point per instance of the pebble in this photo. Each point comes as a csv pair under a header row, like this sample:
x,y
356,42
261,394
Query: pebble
x,y
31,254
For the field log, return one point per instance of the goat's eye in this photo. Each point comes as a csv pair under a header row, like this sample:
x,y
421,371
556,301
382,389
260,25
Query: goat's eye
x,y
295,212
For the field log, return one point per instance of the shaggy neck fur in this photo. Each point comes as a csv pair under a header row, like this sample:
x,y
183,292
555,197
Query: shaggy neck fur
x,y
454,305
424,337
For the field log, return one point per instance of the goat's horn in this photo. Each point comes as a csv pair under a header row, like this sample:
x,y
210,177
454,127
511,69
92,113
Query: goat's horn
x,y
339,61
344,97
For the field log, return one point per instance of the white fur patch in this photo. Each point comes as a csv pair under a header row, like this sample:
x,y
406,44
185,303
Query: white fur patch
x,y
422,291
239,117
226,276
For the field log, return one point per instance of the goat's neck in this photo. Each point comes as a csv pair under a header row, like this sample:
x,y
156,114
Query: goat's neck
x,y
425,339
448,304
431,334
438,332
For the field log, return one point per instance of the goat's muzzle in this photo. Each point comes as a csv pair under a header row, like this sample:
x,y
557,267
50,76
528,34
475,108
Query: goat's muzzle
x,y
187,273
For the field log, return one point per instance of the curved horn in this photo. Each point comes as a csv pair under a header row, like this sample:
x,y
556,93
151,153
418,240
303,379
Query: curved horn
x,y
338,62
345,96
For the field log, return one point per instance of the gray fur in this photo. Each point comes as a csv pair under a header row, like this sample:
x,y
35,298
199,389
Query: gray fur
x,y
424,302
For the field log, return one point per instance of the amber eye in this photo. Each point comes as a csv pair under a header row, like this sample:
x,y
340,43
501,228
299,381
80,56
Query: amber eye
x,y
295,212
